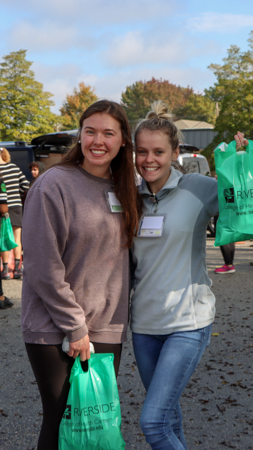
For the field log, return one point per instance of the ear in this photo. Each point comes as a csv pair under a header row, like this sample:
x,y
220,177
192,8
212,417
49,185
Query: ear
x,y
175,154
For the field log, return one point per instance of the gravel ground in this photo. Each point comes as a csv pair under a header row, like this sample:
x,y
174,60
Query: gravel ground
x,y
217,403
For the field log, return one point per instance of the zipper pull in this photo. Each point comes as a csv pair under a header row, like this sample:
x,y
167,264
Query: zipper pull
x,y
154,199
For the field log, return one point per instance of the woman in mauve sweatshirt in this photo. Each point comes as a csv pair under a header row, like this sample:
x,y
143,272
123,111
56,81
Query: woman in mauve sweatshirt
x,y
79,222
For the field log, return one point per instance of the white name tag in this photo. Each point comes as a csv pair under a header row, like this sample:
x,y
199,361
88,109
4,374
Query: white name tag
x,y
151,226
114,204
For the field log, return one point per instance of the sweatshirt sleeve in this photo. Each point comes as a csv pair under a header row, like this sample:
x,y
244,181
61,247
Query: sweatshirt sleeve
x,y
44,238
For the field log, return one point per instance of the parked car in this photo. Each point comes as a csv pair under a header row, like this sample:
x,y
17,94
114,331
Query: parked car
x,y
192,161
47,148
21,154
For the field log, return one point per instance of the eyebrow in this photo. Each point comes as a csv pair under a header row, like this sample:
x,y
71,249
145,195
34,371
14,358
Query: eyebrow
x,y
106,129
156,148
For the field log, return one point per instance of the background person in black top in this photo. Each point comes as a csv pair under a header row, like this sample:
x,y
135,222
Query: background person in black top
x,y
16,184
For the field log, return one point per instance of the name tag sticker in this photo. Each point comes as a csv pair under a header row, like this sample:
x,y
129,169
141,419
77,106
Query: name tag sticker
x,y
114,204
151,226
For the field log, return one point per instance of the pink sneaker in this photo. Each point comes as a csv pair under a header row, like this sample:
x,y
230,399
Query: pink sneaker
x,y
225,269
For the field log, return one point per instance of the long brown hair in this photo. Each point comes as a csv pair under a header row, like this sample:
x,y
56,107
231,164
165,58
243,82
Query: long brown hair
x,y
122,166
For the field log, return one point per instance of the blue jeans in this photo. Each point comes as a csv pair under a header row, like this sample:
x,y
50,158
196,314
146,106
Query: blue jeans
x,y
166,364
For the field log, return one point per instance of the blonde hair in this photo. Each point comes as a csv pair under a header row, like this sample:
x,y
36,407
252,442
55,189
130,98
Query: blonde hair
x,y
159,118
6,157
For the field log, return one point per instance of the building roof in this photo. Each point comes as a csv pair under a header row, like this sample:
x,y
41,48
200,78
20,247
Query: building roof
x,y
184,124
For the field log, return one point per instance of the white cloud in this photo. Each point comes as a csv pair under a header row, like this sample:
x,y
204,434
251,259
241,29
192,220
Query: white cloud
x,y
61,80
153,47
97,12
44,36
221,23
111,44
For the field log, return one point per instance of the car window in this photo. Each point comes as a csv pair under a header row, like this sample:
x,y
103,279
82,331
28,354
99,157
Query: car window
x,y
191,165
204,167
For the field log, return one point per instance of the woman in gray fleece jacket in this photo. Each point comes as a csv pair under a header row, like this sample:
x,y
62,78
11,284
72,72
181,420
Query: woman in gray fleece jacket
x,y
76,283
173,306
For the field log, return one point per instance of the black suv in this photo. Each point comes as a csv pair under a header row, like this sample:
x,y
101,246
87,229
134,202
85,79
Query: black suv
x,y
48,148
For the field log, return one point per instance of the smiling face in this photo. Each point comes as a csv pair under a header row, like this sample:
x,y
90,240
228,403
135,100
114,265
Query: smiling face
x,y
153,158
101,139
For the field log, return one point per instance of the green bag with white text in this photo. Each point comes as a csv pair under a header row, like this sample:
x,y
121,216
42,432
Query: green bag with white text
x,y
235,192
92,419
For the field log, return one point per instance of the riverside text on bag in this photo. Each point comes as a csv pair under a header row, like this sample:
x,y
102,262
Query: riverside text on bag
x,y
235,191
92,419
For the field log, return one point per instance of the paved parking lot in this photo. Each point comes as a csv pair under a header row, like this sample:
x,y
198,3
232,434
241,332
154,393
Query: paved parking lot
x,y
217,403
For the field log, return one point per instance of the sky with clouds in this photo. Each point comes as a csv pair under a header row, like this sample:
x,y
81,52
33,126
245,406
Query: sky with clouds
x,y
111,44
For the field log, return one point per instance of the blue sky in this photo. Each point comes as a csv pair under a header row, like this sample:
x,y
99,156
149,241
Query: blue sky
x,y
110,44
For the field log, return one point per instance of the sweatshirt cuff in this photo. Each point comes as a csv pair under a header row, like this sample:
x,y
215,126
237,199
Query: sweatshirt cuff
x,y
78,334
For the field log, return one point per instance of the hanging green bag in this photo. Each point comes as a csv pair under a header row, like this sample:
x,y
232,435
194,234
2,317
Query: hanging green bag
x,y
7,240
92,419
235,191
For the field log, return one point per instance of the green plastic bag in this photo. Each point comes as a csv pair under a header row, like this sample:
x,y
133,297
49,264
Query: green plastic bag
x,y
7,241
235,191
92,419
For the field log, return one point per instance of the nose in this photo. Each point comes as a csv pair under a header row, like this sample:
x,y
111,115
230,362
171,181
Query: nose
x,y
98,139
149,158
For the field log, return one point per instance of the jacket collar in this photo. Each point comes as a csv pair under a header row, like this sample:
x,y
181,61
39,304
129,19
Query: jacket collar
x,y
170,184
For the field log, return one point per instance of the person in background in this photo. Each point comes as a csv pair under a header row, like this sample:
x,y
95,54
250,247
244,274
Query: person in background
x,y
81,217
16,184
4,301
228,253
172,305
37,168
228,250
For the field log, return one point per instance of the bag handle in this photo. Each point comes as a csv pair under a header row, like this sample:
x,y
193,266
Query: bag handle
x,y
231,147
84,365
247,149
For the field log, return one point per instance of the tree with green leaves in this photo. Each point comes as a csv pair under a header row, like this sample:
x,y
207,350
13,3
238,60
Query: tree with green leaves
x,y
75,105
138,97
24,106
198,107
234,93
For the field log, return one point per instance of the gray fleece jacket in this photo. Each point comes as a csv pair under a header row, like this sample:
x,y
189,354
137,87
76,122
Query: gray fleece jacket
x,y
172,288
76,276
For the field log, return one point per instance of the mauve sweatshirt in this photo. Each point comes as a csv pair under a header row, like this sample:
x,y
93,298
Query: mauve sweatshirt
x,y
76,273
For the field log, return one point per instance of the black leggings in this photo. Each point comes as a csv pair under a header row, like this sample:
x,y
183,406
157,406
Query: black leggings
x,y
52,367
228,250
